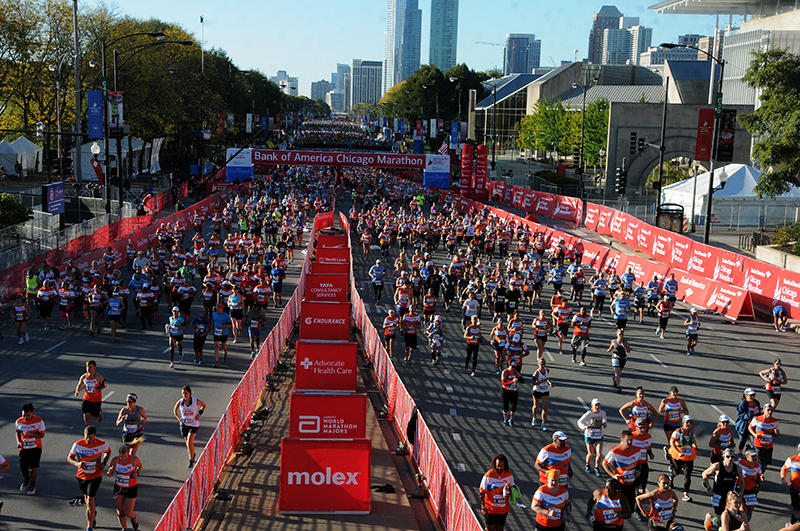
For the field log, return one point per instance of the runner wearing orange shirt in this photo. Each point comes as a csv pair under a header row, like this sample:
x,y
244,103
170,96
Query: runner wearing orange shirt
x,y
551,504
93,385
764,428
622,463
30,432
495,493
791,468
90,455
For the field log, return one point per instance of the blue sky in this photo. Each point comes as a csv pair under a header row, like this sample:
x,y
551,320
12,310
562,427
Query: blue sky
x,y
308,37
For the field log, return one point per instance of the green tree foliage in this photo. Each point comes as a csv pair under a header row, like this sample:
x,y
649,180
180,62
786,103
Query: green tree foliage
x,y
596,130
12,211
549,126
775,123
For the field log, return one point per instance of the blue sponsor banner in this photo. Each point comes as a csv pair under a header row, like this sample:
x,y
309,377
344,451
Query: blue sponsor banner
x,y
95,112
264,122
54,197
436,180
454,135
402,127
238,172
417,146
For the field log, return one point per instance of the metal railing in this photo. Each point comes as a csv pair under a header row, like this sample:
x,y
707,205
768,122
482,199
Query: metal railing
x,y
41,226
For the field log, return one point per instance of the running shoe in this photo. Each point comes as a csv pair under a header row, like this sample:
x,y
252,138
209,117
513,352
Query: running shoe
x,y
544,426
180,358
505,422
32,490
574,360
662,336
171,365
21,341
583,363
688,352
24,486
113,339
216,365
497,371
666,453
639,517
27,338
597,472
511,422
135,522
47,327
686,497
587,469
100,416
472,374
533,422
191,463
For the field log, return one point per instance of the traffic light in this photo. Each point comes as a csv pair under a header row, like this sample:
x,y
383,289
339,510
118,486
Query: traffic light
x,y
641,144
623,182
40,131
617,179
633,142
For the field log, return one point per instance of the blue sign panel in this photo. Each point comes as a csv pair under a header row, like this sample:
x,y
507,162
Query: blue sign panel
x,y
54,197
95,112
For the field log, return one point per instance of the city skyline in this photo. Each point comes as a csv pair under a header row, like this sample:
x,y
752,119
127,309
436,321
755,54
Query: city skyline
x,y
314,36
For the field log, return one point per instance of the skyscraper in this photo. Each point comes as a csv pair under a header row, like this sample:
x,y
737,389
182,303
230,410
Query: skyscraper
x,y
641,40
444,34
522,53
607,18
320,88
403,41
365,82
341,70
616,46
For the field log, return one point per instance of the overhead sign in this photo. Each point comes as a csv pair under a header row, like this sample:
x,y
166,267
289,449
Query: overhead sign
x,y
326,367
326,288
335,158
332,240
53,198
329,416
328,321
325,476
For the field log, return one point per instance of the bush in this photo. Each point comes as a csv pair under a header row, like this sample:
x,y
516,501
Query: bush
x,y
12,211
788,237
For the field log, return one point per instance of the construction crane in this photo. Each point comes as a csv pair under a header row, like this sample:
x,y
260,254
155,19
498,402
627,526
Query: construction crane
x,y
489,43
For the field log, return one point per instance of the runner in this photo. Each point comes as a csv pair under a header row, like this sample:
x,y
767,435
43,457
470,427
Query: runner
x,y
622,464
22,314
639,408
127,467
97,303
132,418
509,392
734,518
188,410
541,329
552,504
639,302
727,475
607,508
775,377
561,319
599,287
175,328
791,468
580,335
495,493
593,422
115,308
619,357
673,408
390,324
93,385
201,326
663,505
376,273
692,323
236,304
780,318
30,431
619,308
764,428
410,322
436,332
664,307
541,392
643,441
220,323
555,456
47,297
683,452
721,439
472,334
747,409
255,320
753,478
90,455
499,340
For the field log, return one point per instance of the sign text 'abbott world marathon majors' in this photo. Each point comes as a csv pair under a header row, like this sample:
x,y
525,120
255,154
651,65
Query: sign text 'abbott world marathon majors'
x,y
325,321
325,476
328,416
326,288
333,158
326,367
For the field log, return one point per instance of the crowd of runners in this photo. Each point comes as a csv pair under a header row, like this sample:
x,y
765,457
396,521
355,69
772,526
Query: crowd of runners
x,y
215,286
499,270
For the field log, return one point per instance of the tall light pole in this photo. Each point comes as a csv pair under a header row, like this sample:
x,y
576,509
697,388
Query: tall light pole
x,y
103,47
494,125
57,69
715,137
594,80
202,79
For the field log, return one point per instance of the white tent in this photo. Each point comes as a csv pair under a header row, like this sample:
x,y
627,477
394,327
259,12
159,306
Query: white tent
x,y
735,204
8,156
140,152
30,155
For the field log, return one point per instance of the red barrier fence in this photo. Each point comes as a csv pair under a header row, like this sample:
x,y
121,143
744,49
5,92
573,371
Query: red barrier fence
x,y
187,506
541,203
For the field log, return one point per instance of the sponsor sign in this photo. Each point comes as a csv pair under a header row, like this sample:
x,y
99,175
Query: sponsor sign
x,y
481,165
632,231
594,254
326,288
681,252
332,240
642,268
325,321
761,280
466,170
661,246
325,476
644,237
326,366
604,221
328,416
568,209
705,135
726,136
592,216
618,224
692,289
329,269
726,300
545,204
323,221
94,111
787,293
53,195
702,261
333,255
335,158
729,268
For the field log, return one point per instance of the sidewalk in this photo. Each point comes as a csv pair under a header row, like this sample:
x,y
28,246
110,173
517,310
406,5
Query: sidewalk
x,y
254,481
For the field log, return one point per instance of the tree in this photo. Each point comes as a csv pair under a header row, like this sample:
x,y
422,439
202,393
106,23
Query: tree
x,y
12,211
549,126
596,130
775,74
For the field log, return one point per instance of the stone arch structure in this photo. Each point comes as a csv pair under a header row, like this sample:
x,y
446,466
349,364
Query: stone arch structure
x,y
680,137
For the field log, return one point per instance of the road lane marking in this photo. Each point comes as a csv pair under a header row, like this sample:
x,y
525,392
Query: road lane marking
x,y
583,403
447,371
461,467
108,394
456,437
658,360
449,389
55,346
552,359
453,412
718,410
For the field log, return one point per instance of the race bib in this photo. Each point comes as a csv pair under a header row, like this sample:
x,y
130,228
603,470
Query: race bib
x,y
687,450
123,481
715,499
218,331
90,387
556,514
131,428
766,438
255,324
89,467
609,515
200,329
378,282
28,443
187,420
19,316
595,433
562,479
665,516
501,343
512,304
629,475
174,330
583,329
751,500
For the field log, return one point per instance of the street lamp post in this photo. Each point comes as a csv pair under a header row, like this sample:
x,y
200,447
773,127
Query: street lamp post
x,y
494,126
602,154
715,138
103,47
583,121
57,69
202,79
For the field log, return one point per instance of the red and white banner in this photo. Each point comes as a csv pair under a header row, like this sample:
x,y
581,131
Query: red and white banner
x,y
481,164
326,367
592,216
326,288
604,221
692,288
727,300
788,293
619,223
325,476
335,158
703,259
729,268
761,280
328,416
632,231
681,252
545,204
466,170
328,321
333,255
329,269
333,240
705,135
641,267
594,254
323,221
568,209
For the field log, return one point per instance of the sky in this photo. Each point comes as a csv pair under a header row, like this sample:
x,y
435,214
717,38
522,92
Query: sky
x,y
308,37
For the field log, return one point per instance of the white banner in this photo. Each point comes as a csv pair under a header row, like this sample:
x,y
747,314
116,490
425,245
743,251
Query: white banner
x,y
248,127
245,158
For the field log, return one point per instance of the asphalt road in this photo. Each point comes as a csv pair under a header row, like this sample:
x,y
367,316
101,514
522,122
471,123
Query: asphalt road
x,y
465,413
45,371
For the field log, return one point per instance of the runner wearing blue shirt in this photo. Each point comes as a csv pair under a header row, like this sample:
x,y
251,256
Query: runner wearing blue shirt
x,y
557,276
376,273
628,278
277,285
201,326
639,300
599,286
671,287
619,307
652,296
220,323
175,328
781,316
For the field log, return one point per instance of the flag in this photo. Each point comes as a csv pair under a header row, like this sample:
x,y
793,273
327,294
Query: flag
x,y
443,149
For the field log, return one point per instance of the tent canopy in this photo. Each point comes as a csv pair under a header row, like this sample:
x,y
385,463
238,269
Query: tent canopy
x,y
138,146
8,156
30,155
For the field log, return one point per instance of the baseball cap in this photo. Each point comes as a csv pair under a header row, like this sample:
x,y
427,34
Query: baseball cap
x,y
560,435
595,401
175,309
749,392
693,310
687,418
724,418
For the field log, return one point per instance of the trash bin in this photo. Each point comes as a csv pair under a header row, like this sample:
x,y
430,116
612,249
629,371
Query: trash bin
x,y
669,216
